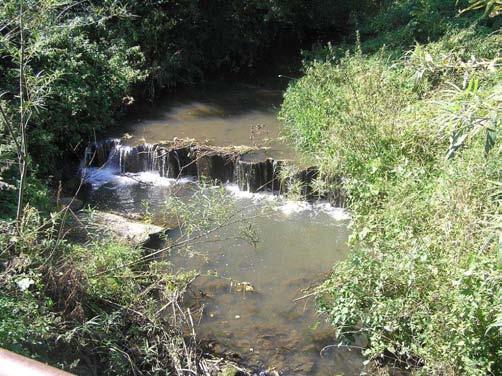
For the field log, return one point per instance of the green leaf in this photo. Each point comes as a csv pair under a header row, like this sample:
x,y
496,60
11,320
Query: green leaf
x,y
490,140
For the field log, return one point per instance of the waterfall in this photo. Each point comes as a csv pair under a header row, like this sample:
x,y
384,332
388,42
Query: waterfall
x,y
97,153
252,171
123,154
255,175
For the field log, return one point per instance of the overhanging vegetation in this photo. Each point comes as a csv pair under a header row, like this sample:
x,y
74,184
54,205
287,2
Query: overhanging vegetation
x,y
414,133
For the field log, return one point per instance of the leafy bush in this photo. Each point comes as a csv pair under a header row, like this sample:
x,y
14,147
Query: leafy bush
x,y
26,322
415,140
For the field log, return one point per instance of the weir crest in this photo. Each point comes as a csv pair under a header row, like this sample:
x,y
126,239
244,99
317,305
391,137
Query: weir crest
x,y
250,169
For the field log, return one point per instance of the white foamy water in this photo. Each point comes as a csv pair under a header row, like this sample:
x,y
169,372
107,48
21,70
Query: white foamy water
x,y
261,196
111,175
153,178
290,207
105,175
101,176
294,207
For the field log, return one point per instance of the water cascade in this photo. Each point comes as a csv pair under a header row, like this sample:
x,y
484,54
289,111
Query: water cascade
x,y
289,229
251,170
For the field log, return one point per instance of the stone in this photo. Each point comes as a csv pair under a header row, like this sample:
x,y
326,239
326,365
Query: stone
x,y
97,154
254,172
244,287
182,162
229,371
215,165
121,229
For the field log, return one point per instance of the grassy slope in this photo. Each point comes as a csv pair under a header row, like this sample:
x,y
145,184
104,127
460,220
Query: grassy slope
x,y
423,279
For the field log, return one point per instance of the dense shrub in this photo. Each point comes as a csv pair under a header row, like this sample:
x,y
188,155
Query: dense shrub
x,y
415,140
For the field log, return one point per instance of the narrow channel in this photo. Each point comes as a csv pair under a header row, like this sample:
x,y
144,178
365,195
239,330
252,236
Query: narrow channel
x,y
268,324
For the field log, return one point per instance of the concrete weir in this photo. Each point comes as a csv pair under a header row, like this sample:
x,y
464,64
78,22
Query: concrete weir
x,y
250,168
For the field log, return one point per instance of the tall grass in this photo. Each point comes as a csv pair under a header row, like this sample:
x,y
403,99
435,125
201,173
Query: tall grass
x,y
415,139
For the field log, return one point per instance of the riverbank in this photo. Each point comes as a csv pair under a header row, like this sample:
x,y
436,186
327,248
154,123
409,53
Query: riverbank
x,y
81,305
415,136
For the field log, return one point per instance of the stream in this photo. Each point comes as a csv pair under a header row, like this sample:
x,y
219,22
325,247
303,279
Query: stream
x,y
214,113
251,295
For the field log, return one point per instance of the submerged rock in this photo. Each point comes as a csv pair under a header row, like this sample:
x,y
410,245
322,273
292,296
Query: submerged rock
x,y
301,366
244,287
212,286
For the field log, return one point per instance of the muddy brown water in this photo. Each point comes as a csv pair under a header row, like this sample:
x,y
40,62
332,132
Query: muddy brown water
x,y
298,243
214,113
